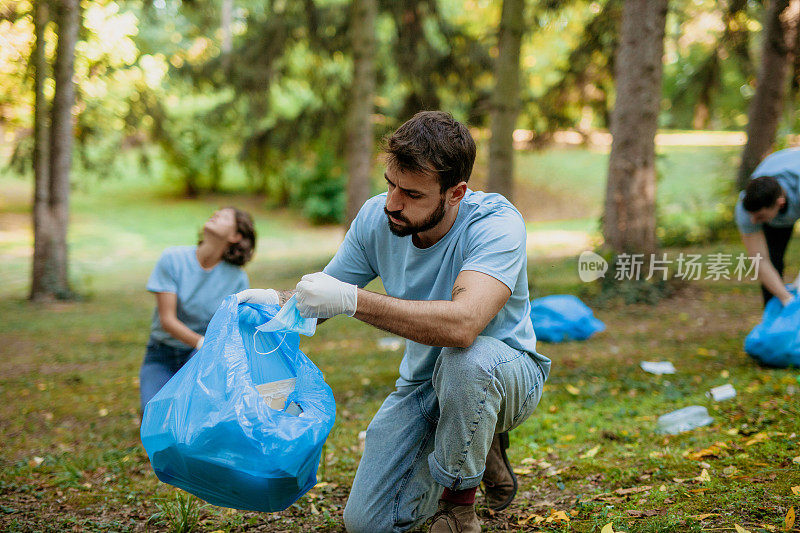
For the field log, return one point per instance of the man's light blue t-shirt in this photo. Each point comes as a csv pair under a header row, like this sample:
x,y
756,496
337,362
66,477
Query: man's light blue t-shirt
x,y
487,236
199,291
783,165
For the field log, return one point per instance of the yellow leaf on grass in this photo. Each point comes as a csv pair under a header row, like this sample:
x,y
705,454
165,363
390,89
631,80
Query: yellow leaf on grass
x,y
789,520
740,529
758,437
796,460
703,477
796,490
704,516
608,528
557,515
522,471
572,389
591,453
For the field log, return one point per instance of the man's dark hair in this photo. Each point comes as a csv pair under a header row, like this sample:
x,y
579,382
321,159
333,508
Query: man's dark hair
x,y
433,142
760,193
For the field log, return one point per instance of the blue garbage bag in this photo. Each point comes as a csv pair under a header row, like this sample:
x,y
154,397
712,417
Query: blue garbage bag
x,y
776,340
563,317
209,432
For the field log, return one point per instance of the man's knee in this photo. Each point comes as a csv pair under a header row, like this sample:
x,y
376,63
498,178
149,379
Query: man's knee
x,y
356,520
471,363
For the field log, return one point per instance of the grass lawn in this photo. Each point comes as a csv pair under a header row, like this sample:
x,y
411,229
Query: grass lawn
x,y
71,457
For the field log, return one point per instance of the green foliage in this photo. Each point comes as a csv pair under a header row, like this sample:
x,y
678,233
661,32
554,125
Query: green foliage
x,y
318,191
682,228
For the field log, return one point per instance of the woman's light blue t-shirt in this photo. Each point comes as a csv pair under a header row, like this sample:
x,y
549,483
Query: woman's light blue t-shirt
x,y
487,236
784,166
199,291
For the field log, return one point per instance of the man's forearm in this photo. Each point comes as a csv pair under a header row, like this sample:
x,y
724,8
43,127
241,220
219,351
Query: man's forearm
x,y
433,323
773,282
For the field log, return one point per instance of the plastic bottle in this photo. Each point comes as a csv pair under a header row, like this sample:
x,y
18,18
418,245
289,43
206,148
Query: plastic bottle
x,y
684,419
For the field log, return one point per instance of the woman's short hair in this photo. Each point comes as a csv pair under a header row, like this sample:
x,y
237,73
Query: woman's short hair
x,y
239,253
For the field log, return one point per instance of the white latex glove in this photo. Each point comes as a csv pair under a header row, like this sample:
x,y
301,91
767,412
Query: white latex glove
x,y
322,296
199,343
258,296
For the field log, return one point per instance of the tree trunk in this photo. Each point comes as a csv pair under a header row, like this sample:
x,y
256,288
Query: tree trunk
x,y
412,56
359,119
41,277
505,100
61,134
779,35
629,220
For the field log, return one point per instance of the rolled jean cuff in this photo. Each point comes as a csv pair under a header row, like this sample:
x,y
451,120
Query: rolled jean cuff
x,y
446,479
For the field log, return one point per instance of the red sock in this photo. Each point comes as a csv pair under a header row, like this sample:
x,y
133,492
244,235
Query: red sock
x,y
459,497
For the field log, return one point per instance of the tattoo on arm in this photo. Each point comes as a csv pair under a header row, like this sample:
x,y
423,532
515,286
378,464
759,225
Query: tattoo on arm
x,y
458,289
284,296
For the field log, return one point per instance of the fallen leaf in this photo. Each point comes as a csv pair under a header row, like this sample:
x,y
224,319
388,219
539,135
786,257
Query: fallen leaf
x,y
522,471
314,509
789,520
703,477
740,529
36,461
698,491
796,490
636,513
715,450
704,516
591,453
532,516
572,389
796,460
608,528
556,516
758,437
529,461
633,490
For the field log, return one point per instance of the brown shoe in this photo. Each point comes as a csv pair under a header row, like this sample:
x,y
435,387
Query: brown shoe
x,y
452,518
499,481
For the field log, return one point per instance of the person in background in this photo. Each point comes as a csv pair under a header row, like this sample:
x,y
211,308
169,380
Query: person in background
x,y
189,283
766,213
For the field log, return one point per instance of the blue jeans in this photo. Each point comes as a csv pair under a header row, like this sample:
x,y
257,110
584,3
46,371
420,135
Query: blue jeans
x,y
437,434
161,362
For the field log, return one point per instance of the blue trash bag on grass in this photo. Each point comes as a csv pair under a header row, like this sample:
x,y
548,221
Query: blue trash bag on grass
x,y
209,432
563,317
775,341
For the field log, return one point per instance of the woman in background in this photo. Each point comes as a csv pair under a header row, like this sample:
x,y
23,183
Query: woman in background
x,y
189,283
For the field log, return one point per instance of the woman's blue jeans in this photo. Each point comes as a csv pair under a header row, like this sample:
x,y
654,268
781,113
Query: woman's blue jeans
x,y
437,434
161,362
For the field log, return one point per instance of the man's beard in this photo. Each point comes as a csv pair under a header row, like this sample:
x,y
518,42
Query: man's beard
x,y
411,229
